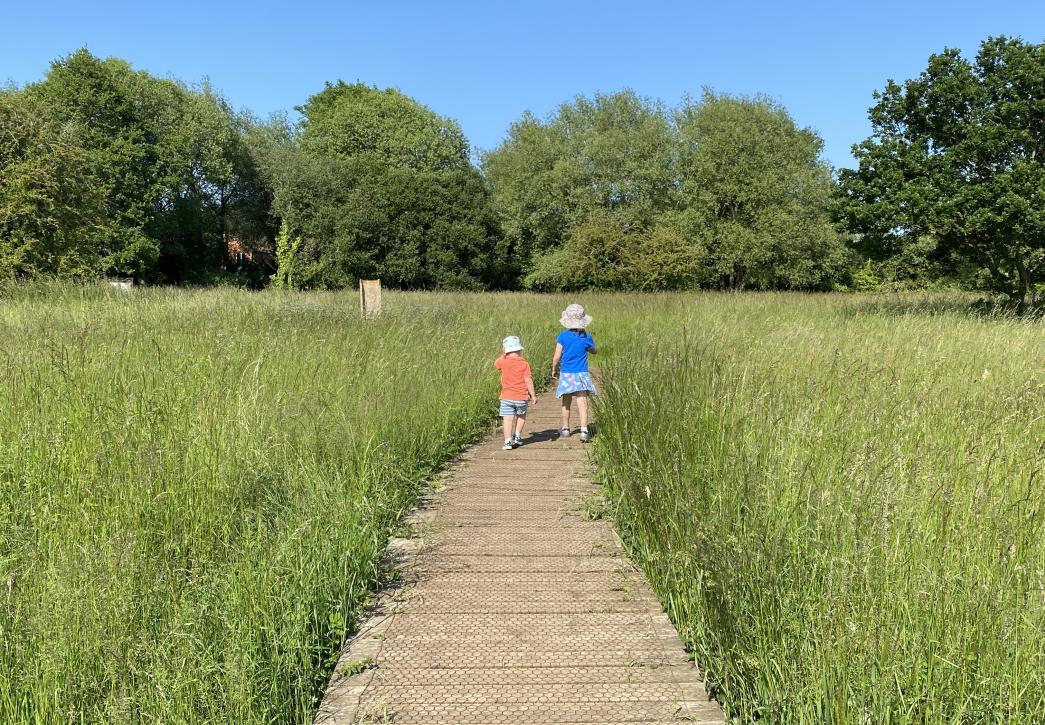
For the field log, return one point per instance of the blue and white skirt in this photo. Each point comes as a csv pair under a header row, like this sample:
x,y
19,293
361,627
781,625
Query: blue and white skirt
x,y
570,383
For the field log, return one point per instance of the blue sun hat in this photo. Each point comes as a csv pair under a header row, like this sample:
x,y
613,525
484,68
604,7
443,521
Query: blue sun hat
x,y
512,344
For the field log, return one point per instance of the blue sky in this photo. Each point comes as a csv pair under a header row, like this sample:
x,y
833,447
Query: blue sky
x,y
484,63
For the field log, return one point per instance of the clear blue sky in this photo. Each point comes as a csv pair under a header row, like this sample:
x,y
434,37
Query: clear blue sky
x,y
484,63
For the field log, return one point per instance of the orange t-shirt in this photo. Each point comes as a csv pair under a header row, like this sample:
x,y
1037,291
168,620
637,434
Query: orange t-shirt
x,y
514,371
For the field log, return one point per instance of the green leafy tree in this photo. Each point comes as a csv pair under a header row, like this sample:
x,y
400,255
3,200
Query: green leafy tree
x,y
529,186
375,184
616,191
215,189
385,126
49,206
755,196
955,160
105,100
353,218
286,258
171,164
611,154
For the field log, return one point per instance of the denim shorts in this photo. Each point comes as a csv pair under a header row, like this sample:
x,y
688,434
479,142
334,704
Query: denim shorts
x,y
513,407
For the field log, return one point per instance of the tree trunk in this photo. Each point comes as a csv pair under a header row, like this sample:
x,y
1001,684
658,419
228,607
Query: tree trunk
x,y
1024,282
223,223
739,275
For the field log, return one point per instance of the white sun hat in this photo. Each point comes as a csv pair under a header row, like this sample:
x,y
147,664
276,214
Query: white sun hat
x,y
573,318
512,344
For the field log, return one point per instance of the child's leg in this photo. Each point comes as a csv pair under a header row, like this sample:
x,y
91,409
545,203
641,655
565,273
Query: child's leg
x,y
566,400
507,426
520,421
582,408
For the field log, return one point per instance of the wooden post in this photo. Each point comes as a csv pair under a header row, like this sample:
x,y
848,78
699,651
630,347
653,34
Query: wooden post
x,y
370,297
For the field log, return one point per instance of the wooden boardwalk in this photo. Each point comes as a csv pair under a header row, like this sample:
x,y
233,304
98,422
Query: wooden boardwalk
x,y
513,608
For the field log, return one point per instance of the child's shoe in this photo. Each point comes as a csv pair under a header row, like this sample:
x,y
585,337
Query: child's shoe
x,y
585,435
507,445
564,432
516,441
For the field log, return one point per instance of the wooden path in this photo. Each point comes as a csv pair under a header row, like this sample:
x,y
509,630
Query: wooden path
x,y
513,608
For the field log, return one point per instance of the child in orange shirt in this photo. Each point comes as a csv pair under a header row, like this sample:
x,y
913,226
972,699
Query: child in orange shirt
x,y
516,390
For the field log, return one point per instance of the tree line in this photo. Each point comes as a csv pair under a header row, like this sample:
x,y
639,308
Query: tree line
x,y
108,170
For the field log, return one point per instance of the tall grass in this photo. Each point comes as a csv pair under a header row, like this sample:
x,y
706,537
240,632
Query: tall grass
x,y
195,487
837,498
840,501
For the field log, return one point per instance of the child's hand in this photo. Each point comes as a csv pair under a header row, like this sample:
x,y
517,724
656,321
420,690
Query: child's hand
x,y
533,400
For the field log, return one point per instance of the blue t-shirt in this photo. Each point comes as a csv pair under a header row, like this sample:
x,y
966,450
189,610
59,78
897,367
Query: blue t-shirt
x,y
575,346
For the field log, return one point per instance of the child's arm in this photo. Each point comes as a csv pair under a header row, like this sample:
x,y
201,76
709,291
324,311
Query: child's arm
x,y
555,359
530,390
591,345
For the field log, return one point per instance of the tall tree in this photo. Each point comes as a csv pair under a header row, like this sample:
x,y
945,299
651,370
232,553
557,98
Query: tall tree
x,y
117,122
616,191
214,190
611,154
372,183
755,195
955,160
49,204
170,162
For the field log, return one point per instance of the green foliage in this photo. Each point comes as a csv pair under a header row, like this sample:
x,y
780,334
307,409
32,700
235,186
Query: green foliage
x,y
956,155
376,185
836,499
387,127
723,192
756,195
287,249
919,265
216,189
865,278
608,155
602,253
49,206
120,121
170,165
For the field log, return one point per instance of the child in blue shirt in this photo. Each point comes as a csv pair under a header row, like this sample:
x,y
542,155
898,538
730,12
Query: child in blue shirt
x,y
573,345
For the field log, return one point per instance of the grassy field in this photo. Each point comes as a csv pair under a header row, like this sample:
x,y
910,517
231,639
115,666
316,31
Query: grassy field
x,y
195,486
839,499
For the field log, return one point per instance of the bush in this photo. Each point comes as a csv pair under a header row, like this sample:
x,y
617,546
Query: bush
x,y
602,253
865,279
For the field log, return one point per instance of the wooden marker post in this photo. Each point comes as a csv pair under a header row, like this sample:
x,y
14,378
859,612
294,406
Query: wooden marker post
x,y
370,297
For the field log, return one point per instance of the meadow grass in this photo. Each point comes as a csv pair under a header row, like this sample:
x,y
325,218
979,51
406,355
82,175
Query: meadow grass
x,y
838,500
196,487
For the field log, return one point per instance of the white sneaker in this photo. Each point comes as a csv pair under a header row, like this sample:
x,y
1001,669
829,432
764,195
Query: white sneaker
x,y
516,441
507,445
564,432
585,435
